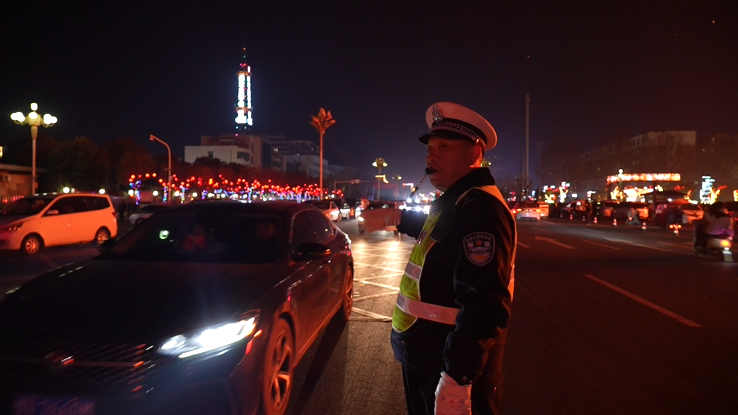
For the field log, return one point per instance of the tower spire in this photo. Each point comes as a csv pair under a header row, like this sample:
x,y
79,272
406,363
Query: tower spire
x,y
243,105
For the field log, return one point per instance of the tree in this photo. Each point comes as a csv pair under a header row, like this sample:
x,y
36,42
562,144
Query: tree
x,y
127,158
78,163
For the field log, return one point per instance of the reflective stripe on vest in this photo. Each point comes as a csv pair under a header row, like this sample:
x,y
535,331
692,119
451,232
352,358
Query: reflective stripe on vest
x,y
409,306
410,282
432,312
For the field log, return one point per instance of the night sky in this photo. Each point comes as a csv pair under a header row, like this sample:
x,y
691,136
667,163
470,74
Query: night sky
x,y
596,71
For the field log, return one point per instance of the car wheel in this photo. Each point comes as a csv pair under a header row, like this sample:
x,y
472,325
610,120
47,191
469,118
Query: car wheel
x,y
101,236
31,244
347,303
361,231
278,370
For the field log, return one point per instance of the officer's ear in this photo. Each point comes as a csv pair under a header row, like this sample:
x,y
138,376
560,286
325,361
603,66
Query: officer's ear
x,y
477,155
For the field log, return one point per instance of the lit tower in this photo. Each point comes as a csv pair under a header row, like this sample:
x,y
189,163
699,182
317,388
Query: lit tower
x,y
243,106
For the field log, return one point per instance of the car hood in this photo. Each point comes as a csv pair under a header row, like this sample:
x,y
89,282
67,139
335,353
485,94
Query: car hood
x,y
7,220
104,298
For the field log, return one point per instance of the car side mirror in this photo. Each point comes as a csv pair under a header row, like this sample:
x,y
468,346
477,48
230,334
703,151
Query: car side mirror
x,y
309,251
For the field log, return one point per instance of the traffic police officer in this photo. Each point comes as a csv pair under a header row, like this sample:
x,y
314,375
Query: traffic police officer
x,y
451,317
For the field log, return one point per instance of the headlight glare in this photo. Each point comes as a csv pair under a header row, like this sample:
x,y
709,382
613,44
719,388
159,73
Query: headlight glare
x,y
211,338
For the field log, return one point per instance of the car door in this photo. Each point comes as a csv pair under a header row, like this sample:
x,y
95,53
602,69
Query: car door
x,y
331,270
57,223
308,288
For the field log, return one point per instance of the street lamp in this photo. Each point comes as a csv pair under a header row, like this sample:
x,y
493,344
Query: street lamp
x,y
321,122
379,163
34,120
169,170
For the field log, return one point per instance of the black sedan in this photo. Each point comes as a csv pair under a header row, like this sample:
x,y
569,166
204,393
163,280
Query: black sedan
x,y
202,308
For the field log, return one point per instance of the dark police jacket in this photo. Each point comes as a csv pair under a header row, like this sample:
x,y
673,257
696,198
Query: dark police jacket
x,y
452,278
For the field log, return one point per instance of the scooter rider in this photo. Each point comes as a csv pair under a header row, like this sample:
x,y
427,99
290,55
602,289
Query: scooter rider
x,y
716,224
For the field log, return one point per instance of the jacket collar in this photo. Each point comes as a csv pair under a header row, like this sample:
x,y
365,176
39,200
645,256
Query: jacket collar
x,y
477,177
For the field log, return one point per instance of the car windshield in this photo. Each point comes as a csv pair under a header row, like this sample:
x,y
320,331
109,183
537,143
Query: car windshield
x,y
187,237
321,204
25,207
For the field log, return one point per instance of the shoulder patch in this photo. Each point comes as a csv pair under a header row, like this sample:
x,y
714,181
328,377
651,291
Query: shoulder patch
x,y
479,248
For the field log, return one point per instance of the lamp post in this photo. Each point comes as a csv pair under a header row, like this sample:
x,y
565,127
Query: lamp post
x,y
379,163
321,122
34,120
169,170
620,184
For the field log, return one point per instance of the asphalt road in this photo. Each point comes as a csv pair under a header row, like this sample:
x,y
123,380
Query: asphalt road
x,y
606,320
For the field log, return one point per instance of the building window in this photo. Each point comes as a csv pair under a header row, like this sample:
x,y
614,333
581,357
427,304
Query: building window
x,y
243,155
210,154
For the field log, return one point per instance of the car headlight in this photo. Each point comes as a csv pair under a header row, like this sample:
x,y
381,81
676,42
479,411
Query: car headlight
x,y
211,338
12,228
360,218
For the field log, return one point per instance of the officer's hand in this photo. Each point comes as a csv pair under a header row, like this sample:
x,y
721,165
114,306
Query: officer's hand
x,y
452,398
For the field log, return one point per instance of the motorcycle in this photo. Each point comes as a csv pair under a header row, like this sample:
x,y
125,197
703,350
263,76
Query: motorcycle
x,y
713,246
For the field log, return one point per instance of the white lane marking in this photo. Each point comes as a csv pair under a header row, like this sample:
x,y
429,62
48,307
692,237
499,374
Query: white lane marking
x,y
540,229
645,302
639,245
402,270
374,316
523,245
378,277
371,297
606,246
555,242
376,284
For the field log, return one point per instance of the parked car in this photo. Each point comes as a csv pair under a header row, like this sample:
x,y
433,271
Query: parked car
x,y
545,208
620,211
144,211
606,209
378,205
527,210
329,208
202,308
348,208
574,209
691,212
34,222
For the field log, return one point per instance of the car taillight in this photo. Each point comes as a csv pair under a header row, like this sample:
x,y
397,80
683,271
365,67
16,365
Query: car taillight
x,y
725,243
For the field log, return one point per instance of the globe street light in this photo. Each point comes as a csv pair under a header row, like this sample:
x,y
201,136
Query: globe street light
x,y
379,163
34,120
169,170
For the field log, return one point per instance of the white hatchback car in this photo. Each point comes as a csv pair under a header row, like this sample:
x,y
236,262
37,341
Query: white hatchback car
x,y
527,210
33,222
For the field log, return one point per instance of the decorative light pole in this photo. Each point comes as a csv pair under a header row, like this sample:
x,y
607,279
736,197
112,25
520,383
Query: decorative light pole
x,y
397,179
379,163
34,120
169,170
321,122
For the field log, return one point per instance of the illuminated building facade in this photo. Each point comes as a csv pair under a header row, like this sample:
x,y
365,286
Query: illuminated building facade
x,y
668,160
244,119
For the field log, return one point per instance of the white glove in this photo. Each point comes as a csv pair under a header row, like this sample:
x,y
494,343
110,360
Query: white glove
x,y
452,398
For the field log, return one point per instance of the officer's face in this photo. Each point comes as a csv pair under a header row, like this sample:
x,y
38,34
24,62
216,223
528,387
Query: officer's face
x,y
451,159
